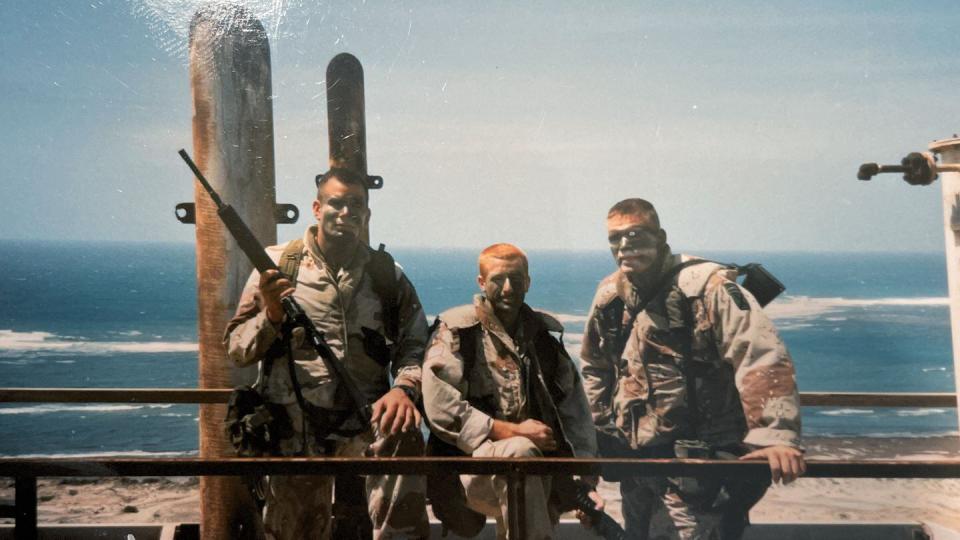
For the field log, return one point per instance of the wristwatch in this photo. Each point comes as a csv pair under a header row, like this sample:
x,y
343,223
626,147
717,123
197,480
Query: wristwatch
x,y
409,391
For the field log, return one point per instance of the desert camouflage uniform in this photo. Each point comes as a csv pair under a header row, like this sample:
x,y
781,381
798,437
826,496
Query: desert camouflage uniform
x,y
461,407
745,385
341,307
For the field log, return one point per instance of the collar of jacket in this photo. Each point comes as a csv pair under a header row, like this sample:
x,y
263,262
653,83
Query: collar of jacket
x,y
353,268
530,324
630,294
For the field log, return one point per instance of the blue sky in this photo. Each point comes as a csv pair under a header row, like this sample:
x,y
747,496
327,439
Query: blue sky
x,y
744,122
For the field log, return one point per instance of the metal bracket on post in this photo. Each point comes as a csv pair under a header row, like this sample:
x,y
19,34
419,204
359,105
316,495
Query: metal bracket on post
x,y
283,214
918,168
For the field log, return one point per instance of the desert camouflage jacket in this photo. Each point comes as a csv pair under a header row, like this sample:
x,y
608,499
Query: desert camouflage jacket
x,y
499,382
706,326
345,308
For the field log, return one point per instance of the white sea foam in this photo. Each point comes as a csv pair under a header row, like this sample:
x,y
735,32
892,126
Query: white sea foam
x,y
929,369
846,412
920,412
572,339
805,307
570,318
799,307
45,342
46,409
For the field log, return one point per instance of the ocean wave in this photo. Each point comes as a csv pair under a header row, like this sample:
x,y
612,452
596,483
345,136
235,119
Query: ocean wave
x,y
113,454
846,412
572,339
570,318
920,412
797,307
46,409
929,369
46,342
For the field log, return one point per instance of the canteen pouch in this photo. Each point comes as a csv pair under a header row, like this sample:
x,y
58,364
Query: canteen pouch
x,y
255,426
761,283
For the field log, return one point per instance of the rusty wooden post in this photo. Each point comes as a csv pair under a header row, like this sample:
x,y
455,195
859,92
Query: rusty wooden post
x,y
233,147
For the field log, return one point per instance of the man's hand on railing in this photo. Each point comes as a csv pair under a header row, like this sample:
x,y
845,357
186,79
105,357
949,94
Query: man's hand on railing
x,y
786,462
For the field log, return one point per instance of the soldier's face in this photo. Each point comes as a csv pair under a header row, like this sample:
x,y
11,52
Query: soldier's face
x,y
505,283
634,243
341,211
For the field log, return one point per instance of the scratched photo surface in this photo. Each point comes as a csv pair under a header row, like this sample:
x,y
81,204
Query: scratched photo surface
x,y
745,123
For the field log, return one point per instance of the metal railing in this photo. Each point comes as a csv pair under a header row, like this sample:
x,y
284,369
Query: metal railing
x,y
220,395
25,471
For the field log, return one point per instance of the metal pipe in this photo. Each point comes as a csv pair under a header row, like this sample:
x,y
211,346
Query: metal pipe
x,y
220,395
233,146
516,504
25,502
328,466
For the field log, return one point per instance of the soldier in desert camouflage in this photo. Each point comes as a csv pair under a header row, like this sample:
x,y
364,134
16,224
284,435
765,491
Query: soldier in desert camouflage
x,y
682,361
336,286
497,383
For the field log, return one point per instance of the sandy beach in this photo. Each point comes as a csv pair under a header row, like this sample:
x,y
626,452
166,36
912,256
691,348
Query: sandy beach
x,y
153,500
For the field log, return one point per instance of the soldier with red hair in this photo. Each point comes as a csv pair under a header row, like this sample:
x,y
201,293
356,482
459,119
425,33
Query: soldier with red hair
x,y
497,383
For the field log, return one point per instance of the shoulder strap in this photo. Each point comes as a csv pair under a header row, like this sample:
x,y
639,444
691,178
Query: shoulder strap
x,y
620,322
290,259
468,347
383,275
666,279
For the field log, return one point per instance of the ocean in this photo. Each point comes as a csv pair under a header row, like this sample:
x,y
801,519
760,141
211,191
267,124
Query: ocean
x,y
124,315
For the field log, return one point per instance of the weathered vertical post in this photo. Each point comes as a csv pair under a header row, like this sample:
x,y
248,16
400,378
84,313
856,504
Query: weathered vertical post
x,y
346,119
233,147
949,150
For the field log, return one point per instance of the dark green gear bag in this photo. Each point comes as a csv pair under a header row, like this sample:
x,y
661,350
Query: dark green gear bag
x,y
254,425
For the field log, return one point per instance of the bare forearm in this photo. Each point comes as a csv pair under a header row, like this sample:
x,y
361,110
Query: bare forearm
x,y
502,430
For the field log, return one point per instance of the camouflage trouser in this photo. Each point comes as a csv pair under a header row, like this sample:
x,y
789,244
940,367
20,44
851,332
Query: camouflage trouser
x,y
300,506
655,509
487,494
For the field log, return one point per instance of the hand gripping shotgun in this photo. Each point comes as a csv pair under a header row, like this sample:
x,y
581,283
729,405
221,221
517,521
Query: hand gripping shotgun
x,y
295,315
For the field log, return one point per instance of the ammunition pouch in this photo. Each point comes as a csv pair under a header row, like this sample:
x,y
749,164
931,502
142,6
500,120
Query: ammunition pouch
x,y
732,496
699,493
255,426
612,445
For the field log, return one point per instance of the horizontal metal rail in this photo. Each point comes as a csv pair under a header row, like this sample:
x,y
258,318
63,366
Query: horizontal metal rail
x,y
329,466
114,395
221,395
27,470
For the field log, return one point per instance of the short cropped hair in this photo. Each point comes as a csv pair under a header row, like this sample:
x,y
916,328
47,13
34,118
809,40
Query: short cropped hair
x,y
636,207
502,251
344,175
